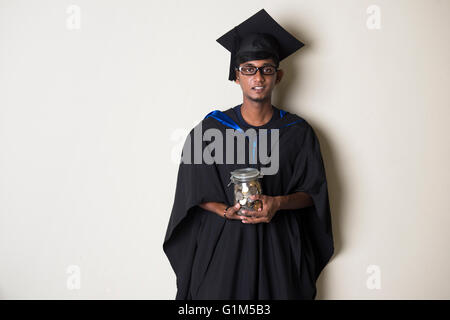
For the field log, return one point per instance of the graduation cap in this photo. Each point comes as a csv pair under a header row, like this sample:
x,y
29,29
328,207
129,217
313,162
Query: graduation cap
x,y
258,34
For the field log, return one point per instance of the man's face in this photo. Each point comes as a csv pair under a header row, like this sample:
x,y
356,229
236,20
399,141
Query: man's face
x,y
250,83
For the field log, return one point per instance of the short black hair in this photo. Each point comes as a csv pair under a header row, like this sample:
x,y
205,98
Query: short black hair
x,y
260,55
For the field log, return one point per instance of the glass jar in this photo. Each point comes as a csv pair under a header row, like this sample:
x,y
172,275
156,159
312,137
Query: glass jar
x,y
246,183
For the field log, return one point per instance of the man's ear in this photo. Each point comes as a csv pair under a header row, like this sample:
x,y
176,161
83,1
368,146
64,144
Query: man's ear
x,y
237,76
280,74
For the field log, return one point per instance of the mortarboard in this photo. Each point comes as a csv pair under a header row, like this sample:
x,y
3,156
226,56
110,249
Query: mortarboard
x,y
259,33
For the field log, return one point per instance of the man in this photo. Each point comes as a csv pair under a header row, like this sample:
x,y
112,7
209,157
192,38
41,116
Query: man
x,y
278,251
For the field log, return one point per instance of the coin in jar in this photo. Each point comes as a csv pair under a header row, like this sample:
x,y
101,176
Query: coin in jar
x,y
257,205
253,190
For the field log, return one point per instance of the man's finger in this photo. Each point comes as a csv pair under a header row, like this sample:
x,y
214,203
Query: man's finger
x,y
232,211
256,197
235,207
254,213
254,220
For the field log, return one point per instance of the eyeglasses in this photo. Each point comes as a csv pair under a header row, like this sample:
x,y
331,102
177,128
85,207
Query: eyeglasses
x,y
251,70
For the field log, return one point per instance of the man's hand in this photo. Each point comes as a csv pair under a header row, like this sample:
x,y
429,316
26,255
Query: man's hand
x,y
270,205
232,212
219,208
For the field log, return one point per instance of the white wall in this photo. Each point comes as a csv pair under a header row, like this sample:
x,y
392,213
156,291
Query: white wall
x,y
92,120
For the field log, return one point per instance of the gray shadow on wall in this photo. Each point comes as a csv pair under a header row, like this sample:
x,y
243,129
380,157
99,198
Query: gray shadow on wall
x,y
292,81
335,194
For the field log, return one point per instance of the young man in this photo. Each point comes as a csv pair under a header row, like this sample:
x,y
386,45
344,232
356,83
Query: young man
x,y
279,251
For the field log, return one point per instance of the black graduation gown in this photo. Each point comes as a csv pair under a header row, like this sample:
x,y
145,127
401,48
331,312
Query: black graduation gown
x,y
218,258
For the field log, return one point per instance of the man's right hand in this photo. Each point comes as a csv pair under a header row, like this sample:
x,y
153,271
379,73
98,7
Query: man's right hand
x,y
219,208
231,213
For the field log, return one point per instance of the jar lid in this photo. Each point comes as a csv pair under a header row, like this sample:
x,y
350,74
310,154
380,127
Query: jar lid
x,y
245,174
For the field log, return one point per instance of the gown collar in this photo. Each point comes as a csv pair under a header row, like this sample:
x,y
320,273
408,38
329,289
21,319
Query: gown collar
x,y
226,118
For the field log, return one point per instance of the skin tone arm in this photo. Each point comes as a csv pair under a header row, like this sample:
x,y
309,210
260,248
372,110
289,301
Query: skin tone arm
x,y
219,208
296,200
216,207
271,205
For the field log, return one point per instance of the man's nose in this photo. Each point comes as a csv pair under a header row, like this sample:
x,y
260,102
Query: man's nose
x,y
259,75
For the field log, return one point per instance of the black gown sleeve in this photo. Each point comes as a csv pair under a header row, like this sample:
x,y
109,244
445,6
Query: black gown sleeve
x,y
196,183
310,177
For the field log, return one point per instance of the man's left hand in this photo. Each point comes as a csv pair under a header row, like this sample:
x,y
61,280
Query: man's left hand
x,y
270,205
